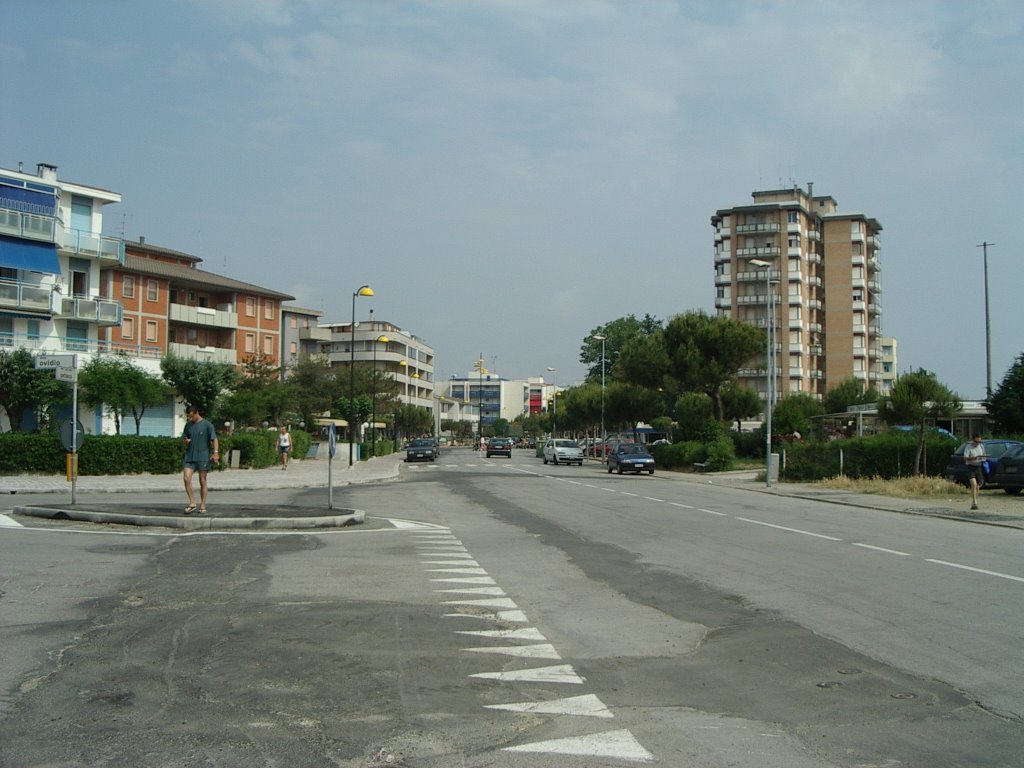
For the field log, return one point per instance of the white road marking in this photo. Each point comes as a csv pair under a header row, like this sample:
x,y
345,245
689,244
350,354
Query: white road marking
x,y
468,580
499,602
587,705
560,673
975,570
881,549
677,504
651,498
616,744
478,571
712,512
526,633
474,591
7,522
538,651
784,528
514,617
627,493
465,556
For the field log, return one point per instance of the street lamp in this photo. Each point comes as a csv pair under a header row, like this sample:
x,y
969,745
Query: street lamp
x,y
769,365
479,365
604,437
364,290
554,405
382,339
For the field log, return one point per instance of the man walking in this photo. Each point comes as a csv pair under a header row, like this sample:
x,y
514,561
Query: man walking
x,y
974,459
201,445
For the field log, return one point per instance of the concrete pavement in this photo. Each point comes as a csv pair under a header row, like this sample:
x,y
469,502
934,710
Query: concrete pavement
x,y
997,508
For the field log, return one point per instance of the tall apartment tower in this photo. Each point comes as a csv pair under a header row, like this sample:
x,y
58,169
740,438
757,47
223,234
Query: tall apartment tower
x,y
823,268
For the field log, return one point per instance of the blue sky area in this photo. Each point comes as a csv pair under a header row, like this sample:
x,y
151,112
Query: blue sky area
x,y
510,174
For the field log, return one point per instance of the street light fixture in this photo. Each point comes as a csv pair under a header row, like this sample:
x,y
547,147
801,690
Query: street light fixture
x,y
769,366
604,437
364,290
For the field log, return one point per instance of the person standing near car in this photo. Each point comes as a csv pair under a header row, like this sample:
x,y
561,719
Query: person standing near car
x,y
974,460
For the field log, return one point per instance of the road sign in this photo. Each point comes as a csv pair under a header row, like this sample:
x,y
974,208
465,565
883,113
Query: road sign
x,y
332,440
66,374
66,435
50,362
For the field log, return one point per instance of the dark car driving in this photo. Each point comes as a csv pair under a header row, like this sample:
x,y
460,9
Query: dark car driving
x,y
956,470
421,449
499,446
630,457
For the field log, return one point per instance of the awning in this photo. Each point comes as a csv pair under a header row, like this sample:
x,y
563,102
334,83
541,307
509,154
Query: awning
x,y
324,422
29,255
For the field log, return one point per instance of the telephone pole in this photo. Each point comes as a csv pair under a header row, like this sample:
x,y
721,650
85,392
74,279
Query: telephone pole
x,y
988,329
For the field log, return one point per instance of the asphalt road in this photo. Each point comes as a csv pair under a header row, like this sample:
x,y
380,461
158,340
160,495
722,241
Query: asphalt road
x,y
503,613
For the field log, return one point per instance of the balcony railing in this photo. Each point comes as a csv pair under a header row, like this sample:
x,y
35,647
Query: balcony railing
x,y
92,310
206,354
91,245
748,228
768,250
212,318
15,294
30,226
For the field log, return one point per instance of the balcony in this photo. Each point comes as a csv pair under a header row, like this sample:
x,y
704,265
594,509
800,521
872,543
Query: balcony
x,y
722,256
875,286
813,234
203,354
90,245
758,275
749,228
210,318
17,295
874,265
29,226
814,350
723,302
314,333
91,310
768,250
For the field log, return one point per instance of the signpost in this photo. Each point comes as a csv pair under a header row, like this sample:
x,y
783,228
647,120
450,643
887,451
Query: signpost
x,y
65,368
332,444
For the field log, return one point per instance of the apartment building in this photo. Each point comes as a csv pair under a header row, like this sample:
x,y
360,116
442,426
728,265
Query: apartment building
x,y
406,357
171,306
490,395
299,333
823,268
51,255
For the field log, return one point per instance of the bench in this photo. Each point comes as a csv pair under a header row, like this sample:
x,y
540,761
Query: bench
x,y
700,466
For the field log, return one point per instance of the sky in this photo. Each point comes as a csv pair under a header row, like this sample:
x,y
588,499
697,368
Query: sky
x,y
508,175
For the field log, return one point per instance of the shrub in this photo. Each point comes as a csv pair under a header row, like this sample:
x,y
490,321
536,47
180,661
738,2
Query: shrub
x,y
887,455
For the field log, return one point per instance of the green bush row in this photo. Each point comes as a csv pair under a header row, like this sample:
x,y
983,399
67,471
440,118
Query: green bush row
x,y
718,454
42,453
887,455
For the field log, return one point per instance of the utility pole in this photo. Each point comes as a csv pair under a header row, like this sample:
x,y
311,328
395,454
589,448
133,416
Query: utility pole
x,y
988,328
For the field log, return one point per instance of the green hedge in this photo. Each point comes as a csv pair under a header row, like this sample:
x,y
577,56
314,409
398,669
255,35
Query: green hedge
x,y
43,453
718,454
887,455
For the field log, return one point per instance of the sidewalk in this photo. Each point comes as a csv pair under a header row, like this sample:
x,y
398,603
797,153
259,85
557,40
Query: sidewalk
x,y
307,473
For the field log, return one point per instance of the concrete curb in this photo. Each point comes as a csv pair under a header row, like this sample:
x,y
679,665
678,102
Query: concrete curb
x,y
198,522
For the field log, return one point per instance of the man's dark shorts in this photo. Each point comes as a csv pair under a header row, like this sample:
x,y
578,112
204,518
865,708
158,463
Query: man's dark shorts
x,y
198,466
977,472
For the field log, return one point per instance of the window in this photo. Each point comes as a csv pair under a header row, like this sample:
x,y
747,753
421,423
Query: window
x,y
792,217
250,306
293,322
151,330
858,249
250,343
152,290
128,328
6,331
33,329
268,345
293,348
794,240
268,309
128,286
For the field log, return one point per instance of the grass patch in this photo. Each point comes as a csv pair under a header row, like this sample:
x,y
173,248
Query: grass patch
x,y
904,488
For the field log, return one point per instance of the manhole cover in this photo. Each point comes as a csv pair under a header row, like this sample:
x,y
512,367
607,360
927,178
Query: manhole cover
x,y
850,671
904,695
830,684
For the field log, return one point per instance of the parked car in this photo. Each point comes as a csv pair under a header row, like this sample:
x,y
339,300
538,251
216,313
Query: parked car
x,y
421,449
562,451
1009,471
630,457
956,470
499,446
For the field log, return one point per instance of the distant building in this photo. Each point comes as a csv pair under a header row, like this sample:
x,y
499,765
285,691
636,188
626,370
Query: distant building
x,y
299,334
493,397
825,271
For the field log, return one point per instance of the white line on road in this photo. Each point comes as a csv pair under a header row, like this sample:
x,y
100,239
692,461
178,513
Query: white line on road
x,y
682,506
976,570
882,549
791,530
712,512
651,498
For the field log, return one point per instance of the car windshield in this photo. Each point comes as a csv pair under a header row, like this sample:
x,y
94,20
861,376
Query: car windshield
x,y
421,443
565,444
632,449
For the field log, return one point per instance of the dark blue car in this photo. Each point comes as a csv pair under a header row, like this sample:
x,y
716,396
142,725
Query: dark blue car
x,y
956,470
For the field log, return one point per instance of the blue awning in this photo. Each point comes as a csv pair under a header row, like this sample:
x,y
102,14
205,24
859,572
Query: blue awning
x,y
29,255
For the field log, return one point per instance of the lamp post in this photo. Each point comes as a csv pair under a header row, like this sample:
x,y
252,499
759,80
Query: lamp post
x,y
599,337
382,339
479,365
364,290
770,366
554,405
988,336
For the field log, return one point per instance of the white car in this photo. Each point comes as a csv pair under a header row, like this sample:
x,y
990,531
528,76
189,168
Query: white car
x,y
561,451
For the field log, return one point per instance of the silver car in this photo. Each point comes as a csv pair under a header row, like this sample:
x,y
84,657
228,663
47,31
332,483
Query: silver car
x,y
559,451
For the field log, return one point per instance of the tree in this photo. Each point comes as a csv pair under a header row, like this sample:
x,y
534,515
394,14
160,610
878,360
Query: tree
x,y
704,352
848,392
693,411
198,383
794,413
315,386
115,384
739,402
617,333
413,420
916,397
644,361
24,388
1006,404
626,404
